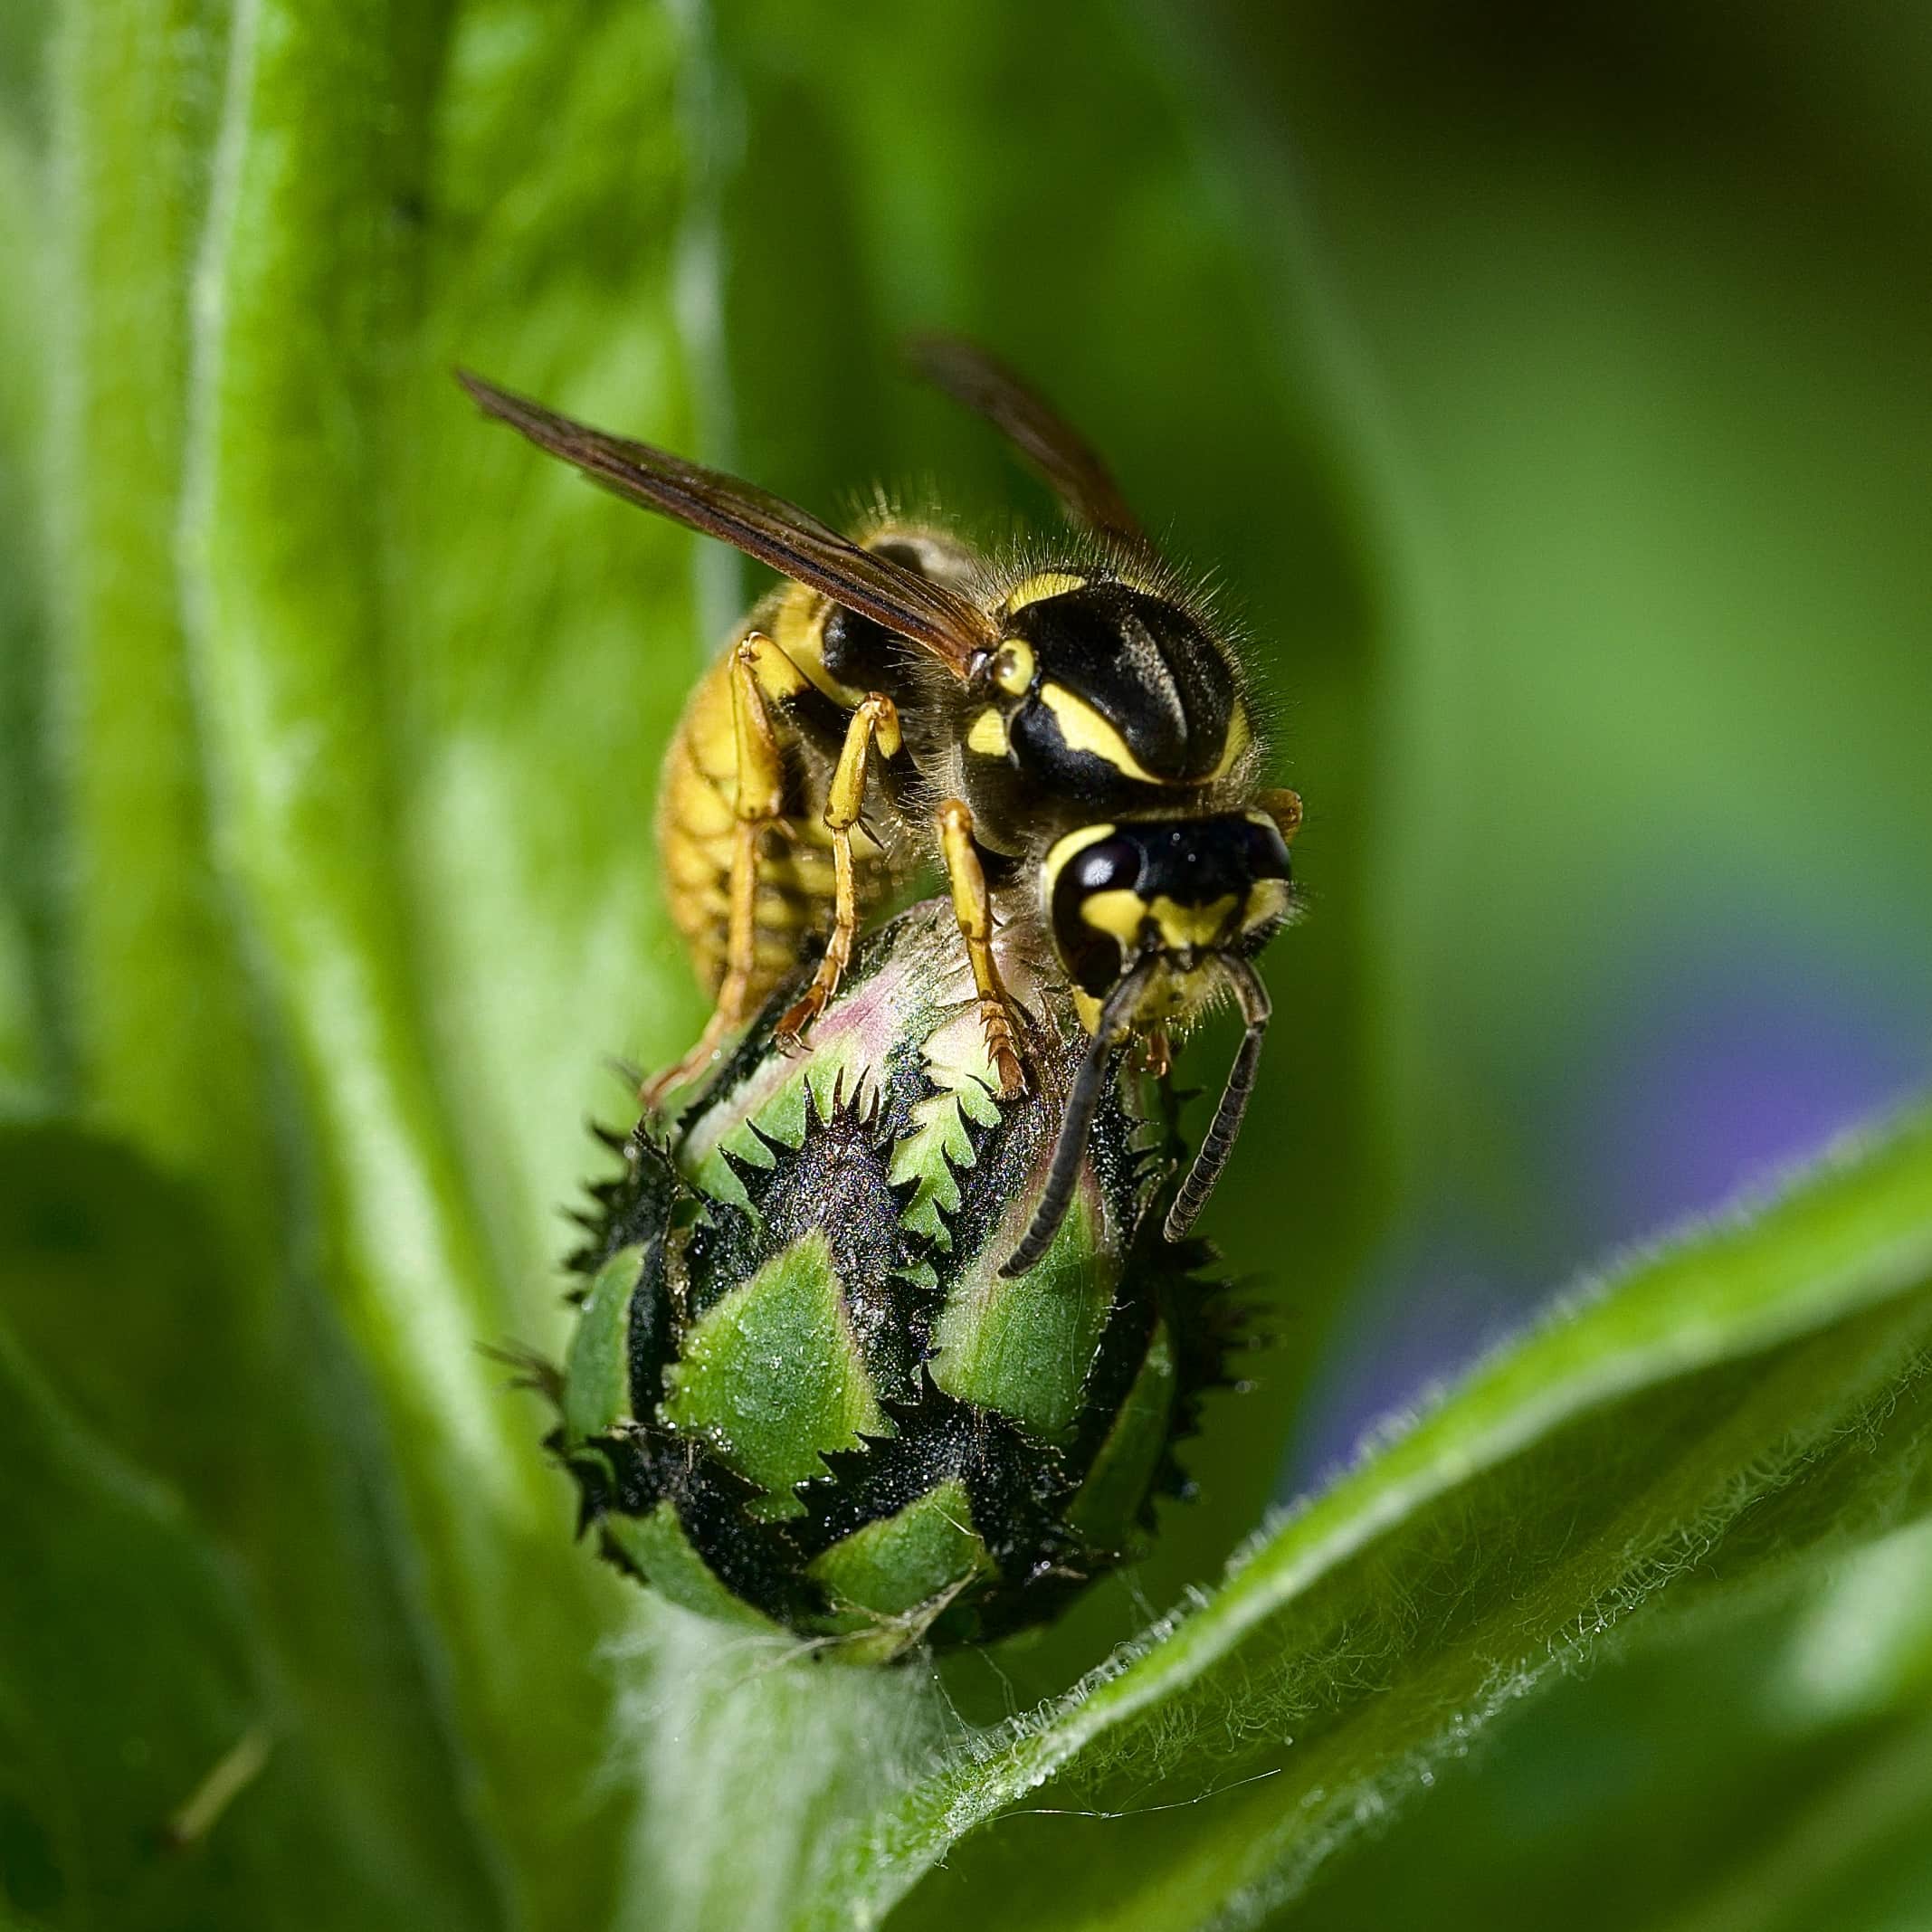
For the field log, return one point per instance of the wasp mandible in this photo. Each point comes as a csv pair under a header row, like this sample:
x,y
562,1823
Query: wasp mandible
x,y
1069,737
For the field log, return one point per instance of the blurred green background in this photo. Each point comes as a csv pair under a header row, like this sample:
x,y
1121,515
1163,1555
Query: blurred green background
x,y
1642,295
1548,388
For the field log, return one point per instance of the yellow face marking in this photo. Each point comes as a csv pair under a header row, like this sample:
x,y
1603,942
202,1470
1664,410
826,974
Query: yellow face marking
x,y
1121,914
1181,927
1118,912
1041,584
1085,730
1172,997
1012,669
987,735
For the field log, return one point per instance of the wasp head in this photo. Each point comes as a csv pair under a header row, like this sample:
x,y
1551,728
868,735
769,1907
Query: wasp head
x,y
1178,896
1152,920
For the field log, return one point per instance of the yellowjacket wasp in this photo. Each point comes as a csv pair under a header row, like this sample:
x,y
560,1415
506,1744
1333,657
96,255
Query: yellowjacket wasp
x,y
1069,736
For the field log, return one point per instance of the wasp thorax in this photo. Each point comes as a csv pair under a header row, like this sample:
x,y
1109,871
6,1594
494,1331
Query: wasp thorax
x,y
803,1395
1101,697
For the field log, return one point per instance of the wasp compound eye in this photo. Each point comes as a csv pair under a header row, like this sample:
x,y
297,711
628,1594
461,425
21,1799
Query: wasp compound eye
x,y
800,1395
1095,907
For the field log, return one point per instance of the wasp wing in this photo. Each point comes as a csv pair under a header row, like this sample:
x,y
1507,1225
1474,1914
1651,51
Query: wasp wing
x,y
753,520
1055,450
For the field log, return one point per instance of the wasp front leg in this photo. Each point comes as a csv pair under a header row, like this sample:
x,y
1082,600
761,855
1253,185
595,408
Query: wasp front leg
x,y
761,676
875,722
972,907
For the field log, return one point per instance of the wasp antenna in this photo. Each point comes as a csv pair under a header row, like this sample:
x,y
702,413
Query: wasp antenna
x,y
1070,1149
1219,1143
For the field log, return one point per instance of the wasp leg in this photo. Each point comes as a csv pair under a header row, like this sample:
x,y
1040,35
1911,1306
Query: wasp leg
x,y
973,911
876,721
761,676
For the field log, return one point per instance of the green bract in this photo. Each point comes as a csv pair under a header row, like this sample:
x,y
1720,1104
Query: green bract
x,y
800,1392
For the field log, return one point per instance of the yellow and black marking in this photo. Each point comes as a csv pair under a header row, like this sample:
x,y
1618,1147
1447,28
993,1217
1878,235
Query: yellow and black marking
x,y
1039,584
1102,698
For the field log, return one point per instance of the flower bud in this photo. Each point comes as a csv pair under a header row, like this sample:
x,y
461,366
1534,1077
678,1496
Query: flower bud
x,y
801,1395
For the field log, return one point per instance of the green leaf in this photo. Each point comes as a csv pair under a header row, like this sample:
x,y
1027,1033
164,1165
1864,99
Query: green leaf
x,y
1768,1765
245,1008
168,1055
128,1676
136,1654
1719,1411
398,805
